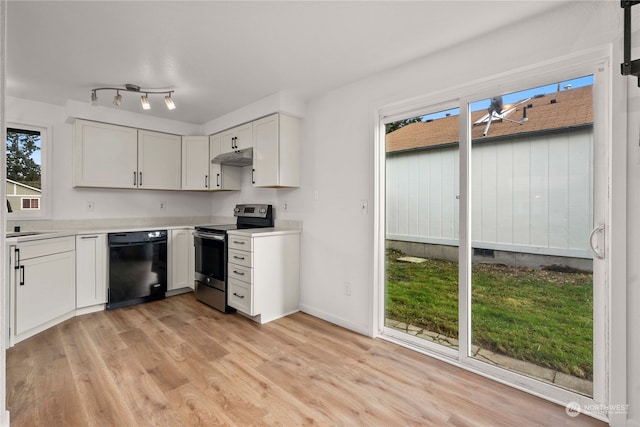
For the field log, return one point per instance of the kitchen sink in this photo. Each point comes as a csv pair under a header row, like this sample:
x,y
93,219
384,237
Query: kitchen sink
x,y
24,233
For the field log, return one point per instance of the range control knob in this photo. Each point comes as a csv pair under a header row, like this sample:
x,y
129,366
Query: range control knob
x,y
263,210
236,210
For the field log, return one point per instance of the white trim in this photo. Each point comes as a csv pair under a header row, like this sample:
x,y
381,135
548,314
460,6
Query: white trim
x,y
593,61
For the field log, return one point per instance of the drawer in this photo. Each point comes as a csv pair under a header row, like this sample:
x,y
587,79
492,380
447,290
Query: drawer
x,y
240,272
42,247
240,296
240,257
242,243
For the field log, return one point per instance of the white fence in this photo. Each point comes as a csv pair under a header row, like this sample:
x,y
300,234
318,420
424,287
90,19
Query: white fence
x,y
531,195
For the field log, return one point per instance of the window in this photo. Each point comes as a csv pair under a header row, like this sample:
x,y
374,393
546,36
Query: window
x,y
25,182
30,204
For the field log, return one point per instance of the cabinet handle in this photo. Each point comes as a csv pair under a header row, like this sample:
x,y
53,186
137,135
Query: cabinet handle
x,y
22,275
17,252
135,178
89,237
238,242
253,176
235,142
239,273
239,296
238,257
206,177
140,179
217,180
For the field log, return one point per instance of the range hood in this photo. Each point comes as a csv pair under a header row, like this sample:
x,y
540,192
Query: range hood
x,y
235,158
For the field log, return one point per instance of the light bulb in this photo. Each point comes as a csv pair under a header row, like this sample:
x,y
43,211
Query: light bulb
x,y
169,102
117,99
144,101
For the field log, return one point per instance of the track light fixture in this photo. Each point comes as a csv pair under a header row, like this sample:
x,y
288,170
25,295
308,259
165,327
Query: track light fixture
x,y
144,99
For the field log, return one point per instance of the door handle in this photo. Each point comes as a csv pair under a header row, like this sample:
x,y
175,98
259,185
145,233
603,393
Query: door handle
x,y
596,250
135,180
140,183
253,176
22,275
218,180
206,177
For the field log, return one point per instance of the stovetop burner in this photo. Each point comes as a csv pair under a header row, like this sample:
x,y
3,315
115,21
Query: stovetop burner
x,y
248,216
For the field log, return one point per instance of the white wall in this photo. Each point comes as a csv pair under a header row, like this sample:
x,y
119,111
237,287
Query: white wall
x,y
69,202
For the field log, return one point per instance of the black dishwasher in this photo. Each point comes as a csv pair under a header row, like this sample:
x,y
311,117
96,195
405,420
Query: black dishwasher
x,y
137,267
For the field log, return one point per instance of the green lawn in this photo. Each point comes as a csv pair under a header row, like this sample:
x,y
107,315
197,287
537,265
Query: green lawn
x,y
539,316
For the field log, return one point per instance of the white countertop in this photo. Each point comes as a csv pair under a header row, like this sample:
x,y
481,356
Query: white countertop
x,y
267,231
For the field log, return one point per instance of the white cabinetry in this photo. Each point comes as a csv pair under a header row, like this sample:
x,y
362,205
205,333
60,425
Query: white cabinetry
x,y
264,274
104,155
181,259
276,151
198,173
195,163
121,157
91,271
159,160
238,138
44,288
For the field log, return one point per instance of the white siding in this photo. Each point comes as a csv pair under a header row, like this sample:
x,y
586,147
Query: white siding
x,y
532,195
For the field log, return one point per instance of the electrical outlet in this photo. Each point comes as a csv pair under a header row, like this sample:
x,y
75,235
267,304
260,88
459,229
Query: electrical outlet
x,y
91,206
285,206
364,207
163,206
347,289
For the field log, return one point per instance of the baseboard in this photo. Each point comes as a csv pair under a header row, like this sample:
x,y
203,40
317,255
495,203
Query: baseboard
x,y
345,323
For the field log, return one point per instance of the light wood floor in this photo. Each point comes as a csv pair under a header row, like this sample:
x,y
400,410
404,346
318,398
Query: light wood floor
x,y
177,362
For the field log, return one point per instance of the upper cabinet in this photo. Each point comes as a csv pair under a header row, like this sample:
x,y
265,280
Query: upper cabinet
x,y
122,157
276,151
195,163
198,173
104,155
238,138
159,162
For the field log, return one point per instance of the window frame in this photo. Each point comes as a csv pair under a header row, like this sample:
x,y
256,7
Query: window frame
x,y
45,172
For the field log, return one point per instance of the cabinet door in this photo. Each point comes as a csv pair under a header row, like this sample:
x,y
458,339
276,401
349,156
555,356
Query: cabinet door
x,y
238,138
159,161
45,290
265,151
195,163
244,136
104,155
182,259
276,151
91,267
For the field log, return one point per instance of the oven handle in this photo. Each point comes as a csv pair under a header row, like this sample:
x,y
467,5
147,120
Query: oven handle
x,y
208,236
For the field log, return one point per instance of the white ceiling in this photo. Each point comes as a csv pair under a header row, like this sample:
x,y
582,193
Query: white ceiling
x,y
219,56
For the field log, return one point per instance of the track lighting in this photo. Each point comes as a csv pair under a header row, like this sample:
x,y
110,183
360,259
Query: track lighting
x,y
169,102
144,99
117,99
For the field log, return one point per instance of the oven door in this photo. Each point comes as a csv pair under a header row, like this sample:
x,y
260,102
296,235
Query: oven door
x,y
211,259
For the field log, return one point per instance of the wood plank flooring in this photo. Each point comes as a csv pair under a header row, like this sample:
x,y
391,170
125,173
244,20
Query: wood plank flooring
x,y
177,362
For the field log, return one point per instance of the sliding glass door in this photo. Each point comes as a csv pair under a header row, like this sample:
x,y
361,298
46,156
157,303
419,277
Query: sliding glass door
x,y
494,225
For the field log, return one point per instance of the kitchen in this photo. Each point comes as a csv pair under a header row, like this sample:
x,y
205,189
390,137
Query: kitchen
x,y
337,157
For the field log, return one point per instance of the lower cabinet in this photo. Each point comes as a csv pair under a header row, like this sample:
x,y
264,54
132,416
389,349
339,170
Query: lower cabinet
x,y
181,259
264,274
91,270
44,285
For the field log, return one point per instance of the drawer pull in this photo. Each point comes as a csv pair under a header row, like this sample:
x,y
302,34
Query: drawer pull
x,y
238,257
238,242
240,273
239,296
